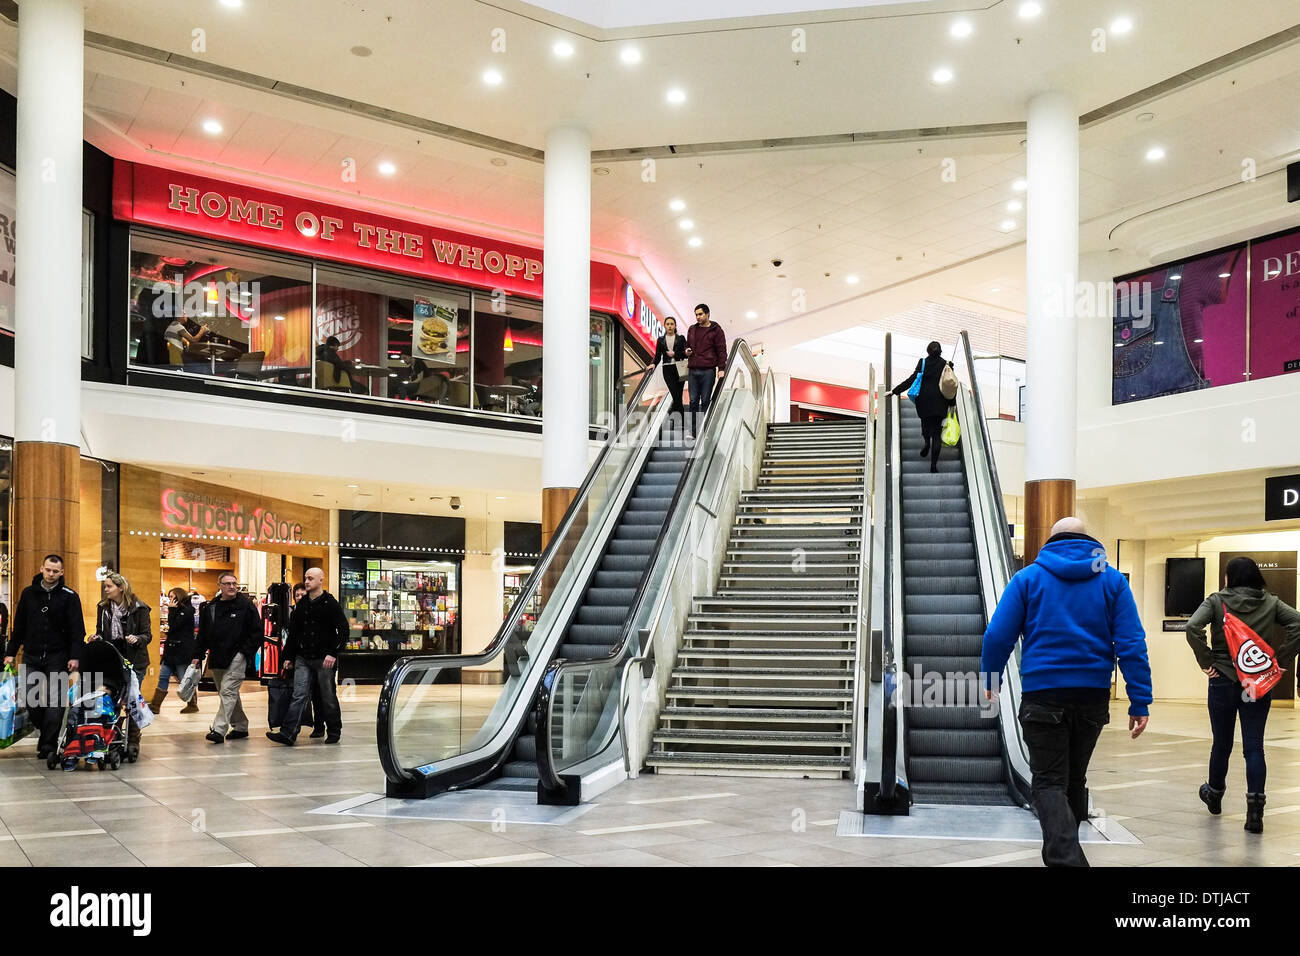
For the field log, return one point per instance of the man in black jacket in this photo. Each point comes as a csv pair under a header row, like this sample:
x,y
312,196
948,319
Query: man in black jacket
x,y
230,632
48,626
318,632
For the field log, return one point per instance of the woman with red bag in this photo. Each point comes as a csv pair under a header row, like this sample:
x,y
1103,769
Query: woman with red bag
x,y
1245,598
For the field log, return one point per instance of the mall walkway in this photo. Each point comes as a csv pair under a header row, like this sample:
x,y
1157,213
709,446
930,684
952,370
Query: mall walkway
x,y
189,803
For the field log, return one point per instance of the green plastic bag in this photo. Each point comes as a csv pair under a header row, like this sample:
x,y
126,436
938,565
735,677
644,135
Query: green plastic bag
x,y
950,434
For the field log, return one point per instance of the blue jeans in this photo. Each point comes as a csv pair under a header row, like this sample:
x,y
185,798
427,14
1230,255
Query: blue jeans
x,y
306,673
1226,708
702,381
165,674
1150,354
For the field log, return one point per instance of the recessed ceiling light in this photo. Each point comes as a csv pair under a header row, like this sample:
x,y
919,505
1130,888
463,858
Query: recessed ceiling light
x,y
677,205
695,241
497,161
1121,25
387,168
354,487
1020,185
676,95
1030,10
995,289
1008,225
1155,154
686,223
601,170
1225,275
361,51
851,280
501,497
492,77
211,126
941,75
961,28
562,48
751,314
630,55
1015,206
1145,117
279,318
232,4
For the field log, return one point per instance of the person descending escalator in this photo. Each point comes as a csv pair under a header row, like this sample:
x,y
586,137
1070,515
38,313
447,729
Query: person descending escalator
x,y
1246,597
931,404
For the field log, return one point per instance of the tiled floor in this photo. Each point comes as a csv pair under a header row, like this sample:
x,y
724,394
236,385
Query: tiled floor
x,y
188,802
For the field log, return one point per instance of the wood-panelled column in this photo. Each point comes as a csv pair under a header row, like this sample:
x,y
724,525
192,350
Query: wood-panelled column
x,y
1046,502
47,509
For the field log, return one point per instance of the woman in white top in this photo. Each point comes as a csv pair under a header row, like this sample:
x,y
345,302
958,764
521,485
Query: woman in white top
x,y
670,349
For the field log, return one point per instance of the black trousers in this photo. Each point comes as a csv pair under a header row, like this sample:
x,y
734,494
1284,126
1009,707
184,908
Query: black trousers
x,y
676,410
930,428
45,687
1061,735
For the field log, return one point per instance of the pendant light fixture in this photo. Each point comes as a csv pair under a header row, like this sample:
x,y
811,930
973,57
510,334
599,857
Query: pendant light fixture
x,y
508,344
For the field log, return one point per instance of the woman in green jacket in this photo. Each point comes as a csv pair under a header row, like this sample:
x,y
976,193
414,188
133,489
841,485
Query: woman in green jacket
x,y
1246,596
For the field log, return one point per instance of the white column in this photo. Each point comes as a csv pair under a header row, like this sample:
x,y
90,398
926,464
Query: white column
x,y
566,308
47,341
1051,270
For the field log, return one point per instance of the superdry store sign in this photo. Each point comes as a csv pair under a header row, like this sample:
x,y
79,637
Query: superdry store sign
x,y
201,516
245,214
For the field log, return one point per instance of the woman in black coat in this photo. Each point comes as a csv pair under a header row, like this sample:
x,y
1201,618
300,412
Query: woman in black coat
x,y
671,348
931,406
178,650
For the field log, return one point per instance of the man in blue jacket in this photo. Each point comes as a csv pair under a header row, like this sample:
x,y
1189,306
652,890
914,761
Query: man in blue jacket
x,y
1077,616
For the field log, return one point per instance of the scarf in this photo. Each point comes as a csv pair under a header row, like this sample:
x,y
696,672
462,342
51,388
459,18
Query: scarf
x,y
119,612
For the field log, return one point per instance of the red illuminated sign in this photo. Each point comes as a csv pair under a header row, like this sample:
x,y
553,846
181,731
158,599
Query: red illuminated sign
x,y
199,516
246,214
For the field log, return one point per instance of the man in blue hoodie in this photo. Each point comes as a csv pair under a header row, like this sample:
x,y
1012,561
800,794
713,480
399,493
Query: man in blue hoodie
x,y
1077,616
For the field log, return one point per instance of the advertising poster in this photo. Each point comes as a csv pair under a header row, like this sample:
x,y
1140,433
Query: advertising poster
x,y
1180,328
1275,306
433,336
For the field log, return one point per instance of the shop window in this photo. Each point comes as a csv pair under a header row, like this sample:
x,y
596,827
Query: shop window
x,y
87,278
7,594
379,336
507,355
599,349
207,310
633,370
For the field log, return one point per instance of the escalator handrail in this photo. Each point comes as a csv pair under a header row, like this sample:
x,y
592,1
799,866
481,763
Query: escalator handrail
x,y
558,667
889,725
402,667
865,557
1004,537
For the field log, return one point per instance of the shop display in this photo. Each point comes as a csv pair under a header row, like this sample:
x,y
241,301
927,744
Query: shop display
x,y
516,579
401,606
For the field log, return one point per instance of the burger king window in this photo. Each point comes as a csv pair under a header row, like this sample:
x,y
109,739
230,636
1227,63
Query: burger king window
x,y
507,354
209,310
380,336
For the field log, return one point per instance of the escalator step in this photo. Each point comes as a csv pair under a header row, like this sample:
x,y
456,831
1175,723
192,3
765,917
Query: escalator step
x,y
659,505
521,769
609,597
938,645
603,635
637,532
586,652
962,794
601,615
941,584
638,547
927,567
526,747
617,579
954,743
942,604
950,623
948,718
956,769
936,520
948,551
622,563
653,519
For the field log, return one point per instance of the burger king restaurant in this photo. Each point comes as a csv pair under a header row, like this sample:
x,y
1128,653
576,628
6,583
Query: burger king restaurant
x,y
232,287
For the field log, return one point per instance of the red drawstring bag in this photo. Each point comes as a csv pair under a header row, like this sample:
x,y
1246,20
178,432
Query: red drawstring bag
x,y
1256,664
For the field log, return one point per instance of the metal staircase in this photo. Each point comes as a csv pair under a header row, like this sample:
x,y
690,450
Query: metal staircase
x,y
764,677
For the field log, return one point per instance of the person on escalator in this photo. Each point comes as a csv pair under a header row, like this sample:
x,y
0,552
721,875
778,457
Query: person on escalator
x,y
931,404
1077,616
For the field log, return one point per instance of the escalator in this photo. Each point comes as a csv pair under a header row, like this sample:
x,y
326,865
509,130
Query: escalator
x,y
553,725
932,737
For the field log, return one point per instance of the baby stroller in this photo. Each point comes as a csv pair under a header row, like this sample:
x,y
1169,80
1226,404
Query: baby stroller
x,y
95,722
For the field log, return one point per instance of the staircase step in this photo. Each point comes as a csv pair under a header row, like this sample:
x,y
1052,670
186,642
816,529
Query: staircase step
x,y
804,638
780,597
760,762
805,695
698,671
768,738
759,654
776,715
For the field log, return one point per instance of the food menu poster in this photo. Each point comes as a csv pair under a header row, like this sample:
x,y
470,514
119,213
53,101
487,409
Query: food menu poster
x,y
433,334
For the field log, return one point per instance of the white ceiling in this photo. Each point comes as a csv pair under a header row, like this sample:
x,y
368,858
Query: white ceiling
x,y
881,212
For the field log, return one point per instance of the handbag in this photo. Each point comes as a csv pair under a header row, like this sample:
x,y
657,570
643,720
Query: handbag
x,y
1256,664
950,433
948,383
915,391
683,368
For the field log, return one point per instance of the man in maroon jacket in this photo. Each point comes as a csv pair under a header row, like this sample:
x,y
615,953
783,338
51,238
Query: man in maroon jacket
x,y
706,349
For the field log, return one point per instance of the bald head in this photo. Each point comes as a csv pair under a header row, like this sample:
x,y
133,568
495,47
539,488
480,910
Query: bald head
x,y
314,579
1071,524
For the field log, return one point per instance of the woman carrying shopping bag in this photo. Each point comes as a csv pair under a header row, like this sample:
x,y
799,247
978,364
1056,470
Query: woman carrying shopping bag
x,y
177,650
1244,601
932,405
670,350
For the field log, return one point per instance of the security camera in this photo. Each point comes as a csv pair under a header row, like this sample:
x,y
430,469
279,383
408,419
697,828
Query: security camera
x,y
776,263
455,504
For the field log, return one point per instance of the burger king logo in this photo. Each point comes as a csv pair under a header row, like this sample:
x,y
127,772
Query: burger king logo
x,y
629,301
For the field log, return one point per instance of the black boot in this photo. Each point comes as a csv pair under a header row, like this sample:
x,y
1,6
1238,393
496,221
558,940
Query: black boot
x,y
925,449
1255,813
1213,799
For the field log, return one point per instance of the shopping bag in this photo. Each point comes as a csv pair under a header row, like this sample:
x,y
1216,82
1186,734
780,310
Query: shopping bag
x,y
190,682
683,368
950,433
914,392
948,383
1256,664
14,723
140,713
279,693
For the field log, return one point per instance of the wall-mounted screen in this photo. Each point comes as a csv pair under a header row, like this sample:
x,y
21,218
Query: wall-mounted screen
x,y
1184,586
